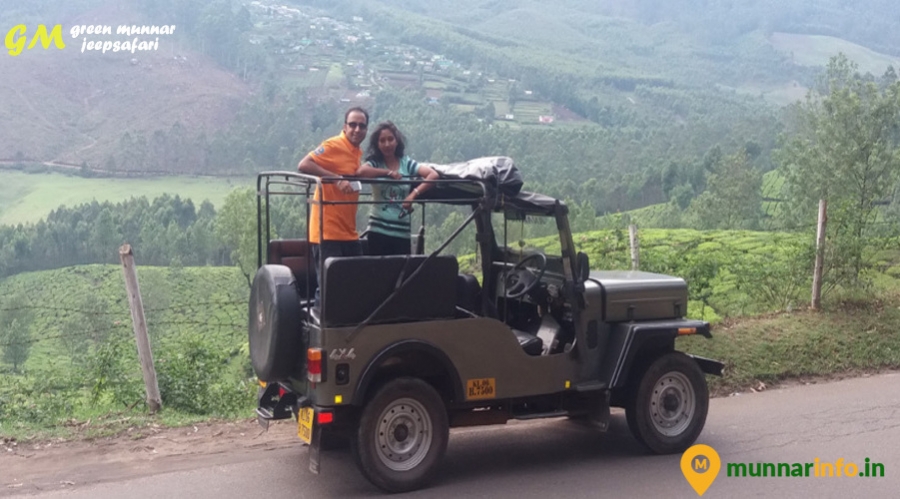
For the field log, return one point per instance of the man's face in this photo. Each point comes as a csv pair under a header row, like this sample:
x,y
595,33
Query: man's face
x,y
355,127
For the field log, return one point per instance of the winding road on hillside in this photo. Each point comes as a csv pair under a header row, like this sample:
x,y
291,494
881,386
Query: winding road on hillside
x,y
852,420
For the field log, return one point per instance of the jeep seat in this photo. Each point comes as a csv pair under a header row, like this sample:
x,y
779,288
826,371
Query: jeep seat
x,y
296,255
354,287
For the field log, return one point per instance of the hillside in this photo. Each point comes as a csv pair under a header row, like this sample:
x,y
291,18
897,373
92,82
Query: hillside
x,y
73,107
815,50
255,87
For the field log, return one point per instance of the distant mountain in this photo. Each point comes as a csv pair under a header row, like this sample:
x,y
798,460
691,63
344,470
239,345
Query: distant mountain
x,y
74,107
252,85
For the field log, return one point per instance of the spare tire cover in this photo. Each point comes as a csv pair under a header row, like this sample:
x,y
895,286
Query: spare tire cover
x,y
276,332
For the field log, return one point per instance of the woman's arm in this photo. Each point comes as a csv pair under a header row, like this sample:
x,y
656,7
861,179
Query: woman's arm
x,y
427,173
366,170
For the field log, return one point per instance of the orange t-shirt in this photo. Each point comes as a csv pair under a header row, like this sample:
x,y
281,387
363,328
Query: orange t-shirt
x,y
340,157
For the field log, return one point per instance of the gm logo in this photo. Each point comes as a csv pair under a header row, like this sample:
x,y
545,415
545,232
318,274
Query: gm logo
x,y
17,37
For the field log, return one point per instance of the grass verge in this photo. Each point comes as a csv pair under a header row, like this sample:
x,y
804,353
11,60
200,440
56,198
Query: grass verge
x,y
849,338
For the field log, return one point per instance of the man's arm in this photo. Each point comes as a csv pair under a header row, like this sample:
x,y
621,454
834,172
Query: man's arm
x,y
310,167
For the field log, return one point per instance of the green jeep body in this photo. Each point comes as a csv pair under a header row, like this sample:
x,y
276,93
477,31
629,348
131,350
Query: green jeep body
x,y
409,346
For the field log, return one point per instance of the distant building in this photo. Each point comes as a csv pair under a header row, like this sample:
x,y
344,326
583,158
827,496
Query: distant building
x,y
509,116
545,119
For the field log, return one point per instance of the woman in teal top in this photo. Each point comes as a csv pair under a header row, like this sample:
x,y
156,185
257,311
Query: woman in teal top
x,y
389,220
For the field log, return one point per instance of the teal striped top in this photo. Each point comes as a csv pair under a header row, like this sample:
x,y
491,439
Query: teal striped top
x,y
385,218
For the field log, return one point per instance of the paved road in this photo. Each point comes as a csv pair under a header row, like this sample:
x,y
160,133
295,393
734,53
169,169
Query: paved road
x,y
850,419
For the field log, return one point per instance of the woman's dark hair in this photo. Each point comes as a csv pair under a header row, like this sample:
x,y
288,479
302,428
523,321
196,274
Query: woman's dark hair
x,y
374,153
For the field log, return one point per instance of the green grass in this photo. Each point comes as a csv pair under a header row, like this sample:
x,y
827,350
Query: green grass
x,y
28,197
654,215
849,338
729,273
335,76
772,188
463,108
815,50
78,310
82,364
501,108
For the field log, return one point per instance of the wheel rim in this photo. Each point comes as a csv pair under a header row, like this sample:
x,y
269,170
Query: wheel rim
x,y
403,435
672,404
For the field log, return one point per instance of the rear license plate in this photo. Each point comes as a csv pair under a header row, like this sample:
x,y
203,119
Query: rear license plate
x,y
305,424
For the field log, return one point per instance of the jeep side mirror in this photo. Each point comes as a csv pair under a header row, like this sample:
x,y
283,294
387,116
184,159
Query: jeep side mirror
x,y
582,266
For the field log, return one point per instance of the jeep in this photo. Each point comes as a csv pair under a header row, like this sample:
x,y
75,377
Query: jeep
x,y
400,349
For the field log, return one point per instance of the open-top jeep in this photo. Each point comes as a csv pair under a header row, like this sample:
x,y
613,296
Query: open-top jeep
x,y
402,348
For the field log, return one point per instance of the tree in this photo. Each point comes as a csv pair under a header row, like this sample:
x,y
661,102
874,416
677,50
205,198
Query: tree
x,y
236,228
15,331
844,148
16,344
105,237
732,198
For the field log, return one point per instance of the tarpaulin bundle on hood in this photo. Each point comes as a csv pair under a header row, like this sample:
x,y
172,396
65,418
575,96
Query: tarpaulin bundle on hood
x,y
499,172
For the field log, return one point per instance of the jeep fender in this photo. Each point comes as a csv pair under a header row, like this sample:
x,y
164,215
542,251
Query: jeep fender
x,y
629,342
410,350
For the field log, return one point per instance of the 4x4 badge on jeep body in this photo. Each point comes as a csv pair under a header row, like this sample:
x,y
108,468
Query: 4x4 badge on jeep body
x,y
342,354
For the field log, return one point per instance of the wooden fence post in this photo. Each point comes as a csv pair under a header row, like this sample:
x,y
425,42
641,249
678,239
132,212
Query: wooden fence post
x,y
154,401
820,255
635,256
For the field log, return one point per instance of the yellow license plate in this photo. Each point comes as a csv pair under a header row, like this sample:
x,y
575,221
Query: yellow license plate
x,y
482,388
305,424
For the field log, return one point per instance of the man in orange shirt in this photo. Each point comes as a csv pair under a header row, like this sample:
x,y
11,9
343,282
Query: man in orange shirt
x,y
335,158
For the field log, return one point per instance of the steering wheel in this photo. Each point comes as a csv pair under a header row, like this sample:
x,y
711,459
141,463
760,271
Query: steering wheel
x,y
520,280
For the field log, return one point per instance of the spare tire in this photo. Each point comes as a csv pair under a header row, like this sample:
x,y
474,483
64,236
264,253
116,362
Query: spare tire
x,y
276,331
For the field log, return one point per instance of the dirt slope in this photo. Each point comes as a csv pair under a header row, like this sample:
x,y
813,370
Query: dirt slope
x,y
35,467
66,105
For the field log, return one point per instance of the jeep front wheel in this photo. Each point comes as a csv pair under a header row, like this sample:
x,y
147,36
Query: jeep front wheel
x,y
402,435
667,405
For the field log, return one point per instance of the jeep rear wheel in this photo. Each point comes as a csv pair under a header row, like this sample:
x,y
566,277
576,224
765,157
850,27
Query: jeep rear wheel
x,y
667,405
402,435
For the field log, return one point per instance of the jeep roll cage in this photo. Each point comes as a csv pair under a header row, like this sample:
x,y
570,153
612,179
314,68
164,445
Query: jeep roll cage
x,y
483,195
